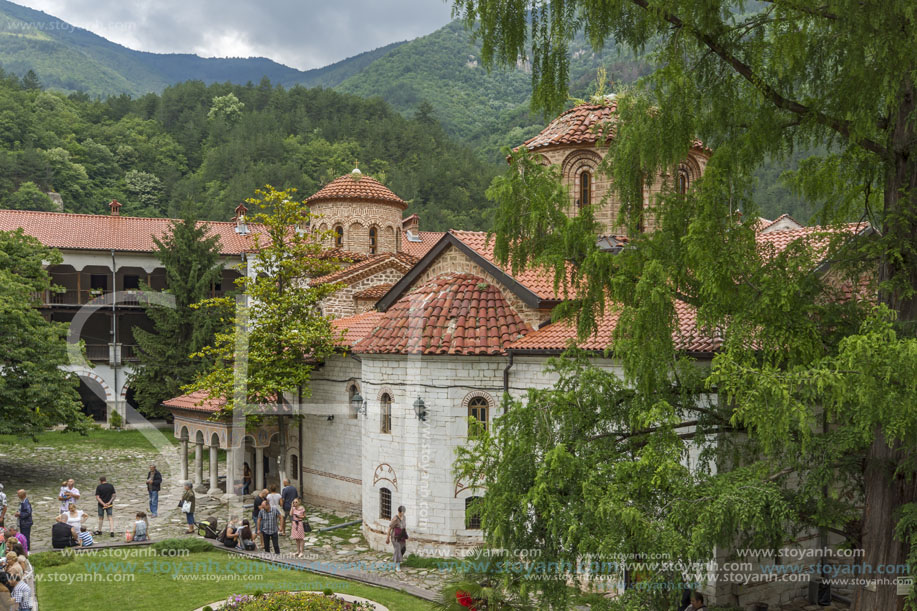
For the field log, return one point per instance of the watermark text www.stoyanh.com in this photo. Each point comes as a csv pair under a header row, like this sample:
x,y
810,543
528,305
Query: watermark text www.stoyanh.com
x,y
14,26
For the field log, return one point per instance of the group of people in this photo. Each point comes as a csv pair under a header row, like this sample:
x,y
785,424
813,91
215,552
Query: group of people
x,y
69,529
15,571
271,512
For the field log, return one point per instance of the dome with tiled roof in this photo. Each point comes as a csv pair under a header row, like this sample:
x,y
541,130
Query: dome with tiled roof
x,y
357,186
452,314
573,127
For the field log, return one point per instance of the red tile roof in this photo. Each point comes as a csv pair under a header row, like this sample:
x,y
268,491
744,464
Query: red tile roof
x,y
368,266
580,125
818,237
359,187
538,281
105,232
558,336
428,240
373,292
575,126
458,314
357,327
197,402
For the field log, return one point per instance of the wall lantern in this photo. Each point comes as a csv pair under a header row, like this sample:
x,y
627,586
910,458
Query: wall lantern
x,y
357,403
420,409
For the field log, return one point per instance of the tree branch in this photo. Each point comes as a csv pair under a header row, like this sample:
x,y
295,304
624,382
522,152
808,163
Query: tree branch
x,y
842,127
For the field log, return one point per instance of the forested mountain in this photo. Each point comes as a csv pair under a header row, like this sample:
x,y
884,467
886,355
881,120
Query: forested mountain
x,y
434,78
211,146
73,59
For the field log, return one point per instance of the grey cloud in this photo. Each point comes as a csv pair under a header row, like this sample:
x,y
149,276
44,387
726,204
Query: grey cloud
x,y
303,34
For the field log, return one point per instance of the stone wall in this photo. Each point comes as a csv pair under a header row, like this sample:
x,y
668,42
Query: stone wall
x,y
342,303
331,458
573,161
356,218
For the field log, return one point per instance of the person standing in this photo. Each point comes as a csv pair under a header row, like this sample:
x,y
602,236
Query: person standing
x,y
256,504
25,517
22,596
68,494
187,506
287,494
299,526
398,535
268,519
105,496
3,505
153,484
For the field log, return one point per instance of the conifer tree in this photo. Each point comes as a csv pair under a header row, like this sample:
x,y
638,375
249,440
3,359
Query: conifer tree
x,y
191,260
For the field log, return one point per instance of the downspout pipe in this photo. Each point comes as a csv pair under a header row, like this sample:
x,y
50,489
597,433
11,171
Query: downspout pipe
x,y
116,357
506,373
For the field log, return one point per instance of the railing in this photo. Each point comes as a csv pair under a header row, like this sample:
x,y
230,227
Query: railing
x,y
102,352
74,297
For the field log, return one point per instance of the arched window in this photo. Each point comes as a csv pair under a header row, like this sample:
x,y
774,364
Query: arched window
x,y
585,189
373,240
681,181
478,409
472,519
339,237
351,391
385,503
386,420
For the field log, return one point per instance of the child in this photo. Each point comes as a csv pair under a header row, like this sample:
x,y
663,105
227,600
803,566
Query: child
x,y
141,527
85,537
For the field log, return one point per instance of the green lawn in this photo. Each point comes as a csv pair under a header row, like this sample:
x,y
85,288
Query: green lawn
x,y
185,583
97,437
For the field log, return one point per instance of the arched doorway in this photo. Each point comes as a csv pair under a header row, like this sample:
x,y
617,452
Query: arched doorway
x,y
92,396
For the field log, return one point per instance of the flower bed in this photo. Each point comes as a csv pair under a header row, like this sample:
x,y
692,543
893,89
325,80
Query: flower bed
x,y
296,601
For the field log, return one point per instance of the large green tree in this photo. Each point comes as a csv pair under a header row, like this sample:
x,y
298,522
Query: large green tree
x,y
191,260
799,370
35,393
277,334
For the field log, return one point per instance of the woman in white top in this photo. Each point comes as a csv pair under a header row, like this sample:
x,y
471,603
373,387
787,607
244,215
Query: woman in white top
x,y
275,499
75,517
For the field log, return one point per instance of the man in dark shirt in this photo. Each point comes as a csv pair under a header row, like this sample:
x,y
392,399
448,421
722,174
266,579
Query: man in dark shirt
x,y
62,535
105,496
25,517
287,495
153,484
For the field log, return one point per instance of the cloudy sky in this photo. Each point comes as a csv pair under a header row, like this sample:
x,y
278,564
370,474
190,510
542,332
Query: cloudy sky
x,y
303,34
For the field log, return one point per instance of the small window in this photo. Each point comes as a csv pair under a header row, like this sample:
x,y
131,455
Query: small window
x,y
585,189
131,282
339,237
478,409
472,519
386,421
681,184
373,240
385,504
294,465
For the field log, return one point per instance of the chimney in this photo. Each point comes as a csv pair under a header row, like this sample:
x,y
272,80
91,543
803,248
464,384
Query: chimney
x,y
115,207
412,224
239,218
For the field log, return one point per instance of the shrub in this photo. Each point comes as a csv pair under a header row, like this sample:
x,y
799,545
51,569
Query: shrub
x,y
208,608
115,420
301,601
45,560
169,547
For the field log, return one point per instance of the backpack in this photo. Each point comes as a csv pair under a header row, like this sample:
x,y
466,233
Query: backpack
x,y
207,528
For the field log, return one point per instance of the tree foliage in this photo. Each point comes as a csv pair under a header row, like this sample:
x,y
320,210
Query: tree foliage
x,y
278,335
191,260
754,82
35,393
